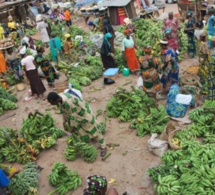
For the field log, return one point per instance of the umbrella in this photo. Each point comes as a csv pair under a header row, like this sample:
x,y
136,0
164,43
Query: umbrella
x,y
81,3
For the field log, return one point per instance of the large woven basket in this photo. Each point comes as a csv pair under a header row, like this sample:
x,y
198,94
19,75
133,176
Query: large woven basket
x,y
190,79
167,130
185,91
173,146
60,87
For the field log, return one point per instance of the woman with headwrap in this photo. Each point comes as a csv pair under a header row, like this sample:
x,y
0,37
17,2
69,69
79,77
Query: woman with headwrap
x,y
172,41
170,69
189,30
130,26
107,58
28,42
31,72
177,104
46,67
97,185
69,50
13,28
42,28
172,23
149,66
128,49
56,46
109,29
14,62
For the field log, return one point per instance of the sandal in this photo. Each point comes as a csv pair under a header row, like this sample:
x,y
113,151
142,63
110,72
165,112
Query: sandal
x,y
103,152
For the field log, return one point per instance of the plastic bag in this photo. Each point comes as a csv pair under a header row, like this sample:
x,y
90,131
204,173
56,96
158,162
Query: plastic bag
x,y
140,82
73,91
156,146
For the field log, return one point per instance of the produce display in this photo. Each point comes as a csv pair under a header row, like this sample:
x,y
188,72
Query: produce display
x,y
77,147
84,73
187,89
26,181
190,170
6,105
6,95
38,132
136,107
10,77
63,179
7,42
29,32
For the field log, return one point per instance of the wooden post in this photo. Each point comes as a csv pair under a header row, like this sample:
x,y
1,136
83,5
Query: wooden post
x,y
126,12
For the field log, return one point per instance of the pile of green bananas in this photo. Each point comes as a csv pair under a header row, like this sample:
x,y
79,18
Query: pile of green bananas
x,y
77,147
145,114
26,181
183,38
40,130
192,170
7,105
6,95
63,179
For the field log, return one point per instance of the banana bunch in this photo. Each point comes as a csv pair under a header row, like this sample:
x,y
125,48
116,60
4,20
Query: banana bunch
x,y
168,185
77,147
183,39
26,181
6,104
6,95
208,138
63,179
176,141
47,142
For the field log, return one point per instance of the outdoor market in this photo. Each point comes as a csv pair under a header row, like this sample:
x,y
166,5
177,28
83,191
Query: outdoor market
x,y
107,97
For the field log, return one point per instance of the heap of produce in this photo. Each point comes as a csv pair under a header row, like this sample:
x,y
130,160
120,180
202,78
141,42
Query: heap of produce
x,y
7,101
7,42
145,114
63,179
10,77
190,170
30,32
84,73
77,147
26,181
40,131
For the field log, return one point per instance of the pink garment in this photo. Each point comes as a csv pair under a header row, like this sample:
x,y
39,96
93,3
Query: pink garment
x,y
139,3
174,25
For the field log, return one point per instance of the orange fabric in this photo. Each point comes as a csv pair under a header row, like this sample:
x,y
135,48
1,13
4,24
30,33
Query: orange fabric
x,y
68,45
3,66
67,15
131,59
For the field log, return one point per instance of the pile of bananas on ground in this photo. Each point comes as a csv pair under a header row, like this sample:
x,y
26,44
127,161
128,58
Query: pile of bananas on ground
x,y
135,106
14,148
40,131
191,170
63,179
26,181
77,147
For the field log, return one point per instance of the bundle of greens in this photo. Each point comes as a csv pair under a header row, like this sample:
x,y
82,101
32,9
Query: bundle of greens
x,y
40,131
26,181
191,170
77,147
63,179
145,114
29,32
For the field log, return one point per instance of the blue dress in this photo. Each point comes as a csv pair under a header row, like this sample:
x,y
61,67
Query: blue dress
x,y
173,108
211,29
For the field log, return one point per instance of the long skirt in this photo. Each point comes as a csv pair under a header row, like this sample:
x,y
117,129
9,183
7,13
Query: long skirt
x,y
49,72
36,84
108,61
191,45
131,58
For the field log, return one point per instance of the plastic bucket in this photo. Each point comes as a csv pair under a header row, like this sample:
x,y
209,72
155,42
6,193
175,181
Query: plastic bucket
x,y
126,72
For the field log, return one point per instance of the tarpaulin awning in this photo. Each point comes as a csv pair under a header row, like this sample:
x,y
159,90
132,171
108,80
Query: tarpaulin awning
x,y
81,3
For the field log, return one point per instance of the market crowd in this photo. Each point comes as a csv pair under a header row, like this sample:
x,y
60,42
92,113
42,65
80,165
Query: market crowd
x,y
160,74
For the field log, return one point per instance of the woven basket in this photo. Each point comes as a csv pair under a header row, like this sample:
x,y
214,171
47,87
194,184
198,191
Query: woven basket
x,y
20,87
173,146
190,79
60,87
167,130
183,90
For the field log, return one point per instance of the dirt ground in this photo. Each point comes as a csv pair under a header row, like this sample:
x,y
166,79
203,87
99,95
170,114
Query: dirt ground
x,y
128,170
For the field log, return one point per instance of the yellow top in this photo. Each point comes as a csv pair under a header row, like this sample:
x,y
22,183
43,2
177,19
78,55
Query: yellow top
x,y
12,25
1,33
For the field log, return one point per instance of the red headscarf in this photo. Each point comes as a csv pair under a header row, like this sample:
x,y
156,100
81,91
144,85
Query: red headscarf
x,y
126,31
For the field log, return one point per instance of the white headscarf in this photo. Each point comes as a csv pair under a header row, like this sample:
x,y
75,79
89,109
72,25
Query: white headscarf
x,y
39,17
23,50
127,21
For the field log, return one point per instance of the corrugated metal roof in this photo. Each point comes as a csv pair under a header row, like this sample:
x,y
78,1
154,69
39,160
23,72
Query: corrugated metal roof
x,y
113,3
